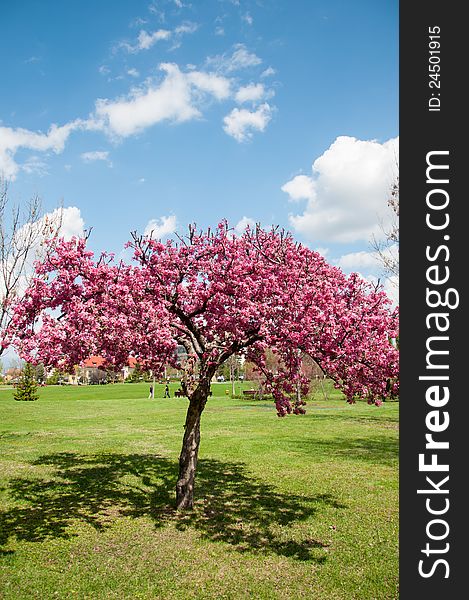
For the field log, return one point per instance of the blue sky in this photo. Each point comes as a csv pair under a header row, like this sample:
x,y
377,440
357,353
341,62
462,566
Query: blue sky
x,y
150,115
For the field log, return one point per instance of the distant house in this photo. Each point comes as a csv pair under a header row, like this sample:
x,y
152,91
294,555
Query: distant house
x,y
93,371
12,375
128,369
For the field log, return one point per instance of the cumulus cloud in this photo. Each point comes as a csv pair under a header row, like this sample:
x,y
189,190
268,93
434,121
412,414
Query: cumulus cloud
x,y
358,261
176,96
300,187
240,123
250,93
73,224
241,225
369,261
173,99
162,227
322,251
217,86
11,140
346,194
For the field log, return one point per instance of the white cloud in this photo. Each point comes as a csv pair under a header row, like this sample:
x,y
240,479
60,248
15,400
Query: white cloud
x,y
346,194
162,227
358,261
173,99
212,84
241,58
300,187
35,166
243,223
177,98
146,40
11,140
247,18
73,224
268,72
322,251
186,27
219,30
250,93
369,261
69,218
95,155
240,123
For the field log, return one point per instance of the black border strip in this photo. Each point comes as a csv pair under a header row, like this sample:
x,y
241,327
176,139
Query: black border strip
x,y
433,257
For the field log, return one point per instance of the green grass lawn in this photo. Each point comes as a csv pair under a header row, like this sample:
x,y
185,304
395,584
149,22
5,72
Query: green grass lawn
x,y
300,507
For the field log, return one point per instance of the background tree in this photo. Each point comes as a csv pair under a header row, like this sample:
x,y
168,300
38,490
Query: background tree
x,y
26,388
387,249
40,373
22,232
217,295
57,377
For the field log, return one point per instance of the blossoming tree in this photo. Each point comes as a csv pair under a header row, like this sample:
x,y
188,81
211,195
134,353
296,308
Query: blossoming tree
x,y
217,295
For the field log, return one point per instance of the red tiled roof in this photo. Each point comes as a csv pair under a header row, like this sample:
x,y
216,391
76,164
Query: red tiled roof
x,y
98,361
93,361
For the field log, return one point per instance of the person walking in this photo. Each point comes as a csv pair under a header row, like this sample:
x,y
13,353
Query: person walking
x,y
151,392
166,392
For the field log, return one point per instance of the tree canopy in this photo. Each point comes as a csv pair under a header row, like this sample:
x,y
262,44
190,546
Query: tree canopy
x,y
216,294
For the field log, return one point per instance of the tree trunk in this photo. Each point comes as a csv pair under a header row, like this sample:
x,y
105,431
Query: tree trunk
x,y
298,392
190,450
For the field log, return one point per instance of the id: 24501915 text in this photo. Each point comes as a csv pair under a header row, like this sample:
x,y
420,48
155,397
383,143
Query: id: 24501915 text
x,y
434,68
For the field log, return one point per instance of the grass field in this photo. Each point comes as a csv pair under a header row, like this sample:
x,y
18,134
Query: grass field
x,y
300,507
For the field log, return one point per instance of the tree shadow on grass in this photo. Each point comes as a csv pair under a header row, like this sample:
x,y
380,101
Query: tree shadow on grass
x,y
232,506
348,414
378,449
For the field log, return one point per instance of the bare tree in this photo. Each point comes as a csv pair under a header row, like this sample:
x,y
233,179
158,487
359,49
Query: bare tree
x,y
387,249
22,234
